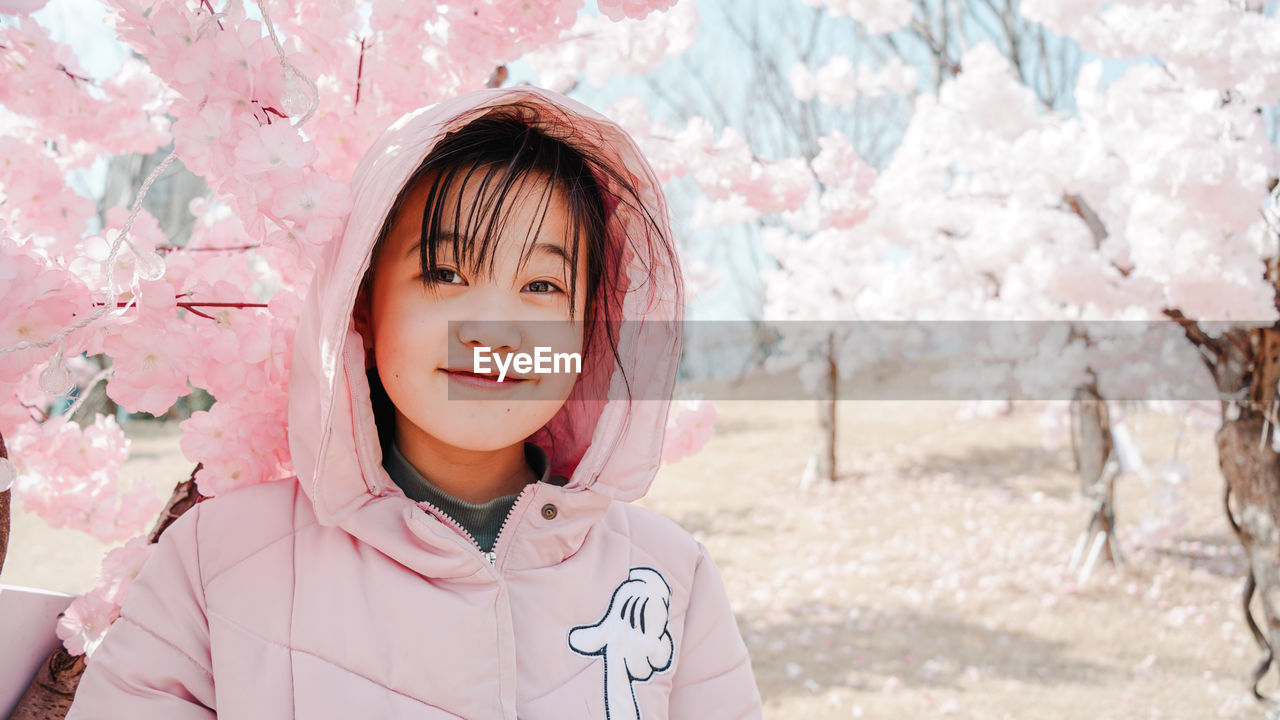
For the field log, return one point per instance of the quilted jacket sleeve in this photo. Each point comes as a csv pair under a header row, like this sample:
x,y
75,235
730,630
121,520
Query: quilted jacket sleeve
x,y
713,677
154,661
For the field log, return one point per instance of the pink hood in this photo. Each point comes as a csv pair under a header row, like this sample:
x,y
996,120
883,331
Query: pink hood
x,y
613,448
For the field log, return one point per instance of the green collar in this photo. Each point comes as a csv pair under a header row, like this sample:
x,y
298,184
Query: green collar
x,y
482,520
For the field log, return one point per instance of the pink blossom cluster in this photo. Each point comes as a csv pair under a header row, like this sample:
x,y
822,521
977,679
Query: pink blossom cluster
x,y
1146,196
39,299
618,10
84,624
126,116
1205,43
69,476
689,427
846,182
481,32
88,258
737,187
21,7
151,351
673,152
240,442
598,50
974,197
840,82
878,16
31,173
234,99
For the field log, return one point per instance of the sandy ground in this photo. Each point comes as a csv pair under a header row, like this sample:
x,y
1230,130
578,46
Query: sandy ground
x,y
929,580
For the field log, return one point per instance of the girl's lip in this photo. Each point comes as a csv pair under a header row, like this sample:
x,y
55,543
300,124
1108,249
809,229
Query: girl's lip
x,y
481,381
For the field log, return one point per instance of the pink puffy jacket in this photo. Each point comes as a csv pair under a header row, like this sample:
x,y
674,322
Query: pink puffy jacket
x,y
333,595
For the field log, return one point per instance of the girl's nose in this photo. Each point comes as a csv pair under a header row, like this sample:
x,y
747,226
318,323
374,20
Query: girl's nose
x,y
494,334
488,318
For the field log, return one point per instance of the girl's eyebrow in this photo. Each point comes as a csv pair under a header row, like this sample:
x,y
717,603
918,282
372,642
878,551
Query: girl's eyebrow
x,y
549,249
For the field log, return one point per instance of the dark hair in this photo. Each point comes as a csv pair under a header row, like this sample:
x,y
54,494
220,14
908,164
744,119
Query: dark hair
x,y
505,145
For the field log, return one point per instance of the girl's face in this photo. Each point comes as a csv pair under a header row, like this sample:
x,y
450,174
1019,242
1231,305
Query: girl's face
x,y
418,336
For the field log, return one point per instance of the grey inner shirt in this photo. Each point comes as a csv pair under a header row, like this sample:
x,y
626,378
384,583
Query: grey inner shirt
x,y
482,520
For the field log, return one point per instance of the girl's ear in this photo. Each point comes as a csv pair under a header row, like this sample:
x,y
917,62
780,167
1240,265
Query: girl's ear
x,y
361,315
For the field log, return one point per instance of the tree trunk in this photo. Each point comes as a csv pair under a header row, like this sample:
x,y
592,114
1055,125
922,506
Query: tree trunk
x,y
1253,483
826,447
1251,470
51,692
4,512
1095,446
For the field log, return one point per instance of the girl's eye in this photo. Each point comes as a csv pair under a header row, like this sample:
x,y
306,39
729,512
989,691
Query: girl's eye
x,y
442,275
551,287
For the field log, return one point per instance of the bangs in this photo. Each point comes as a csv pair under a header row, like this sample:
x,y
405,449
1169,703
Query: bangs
x,y
497,156
469,232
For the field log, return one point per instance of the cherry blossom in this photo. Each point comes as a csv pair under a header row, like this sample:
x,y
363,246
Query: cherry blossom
x,y
315,195
839,81
618,10
38,300
88,262
597,49
131,102
240,442
271,147
84,624
202,140
69,477
689,426
29,174
121,566
21,7
879,16
150,376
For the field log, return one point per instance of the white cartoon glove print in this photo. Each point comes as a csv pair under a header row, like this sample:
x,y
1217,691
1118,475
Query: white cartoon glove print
x,y
632,637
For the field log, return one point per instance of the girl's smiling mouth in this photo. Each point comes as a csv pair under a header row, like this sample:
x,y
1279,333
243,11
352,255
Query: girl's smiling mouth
x,y
467,378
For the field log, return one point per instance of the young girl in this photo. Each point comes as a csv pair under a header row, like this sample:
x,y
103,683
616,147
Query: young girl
x,y
454,546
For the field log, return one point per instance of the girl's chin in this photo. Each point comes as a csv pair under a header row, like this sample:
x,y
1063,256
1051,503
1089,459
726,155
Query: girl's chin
x,y
480,427
471,442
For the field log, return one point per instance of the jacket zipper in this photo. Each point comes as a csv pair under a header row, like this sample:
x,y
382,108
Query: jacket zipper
x,y
490,555
527,489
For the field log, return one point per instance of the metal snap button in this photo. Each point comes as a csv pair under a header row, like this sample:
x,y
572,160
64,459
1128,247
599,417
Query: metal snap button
x,y
549,511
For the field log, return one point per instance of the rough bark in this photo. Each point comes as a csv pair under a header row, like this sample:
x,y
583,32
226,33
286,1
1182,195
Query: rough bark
x,y
52,690
1093,447
54,687
497,77
1245,365
4,512
183,498
1251,470
1252,500
826,448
